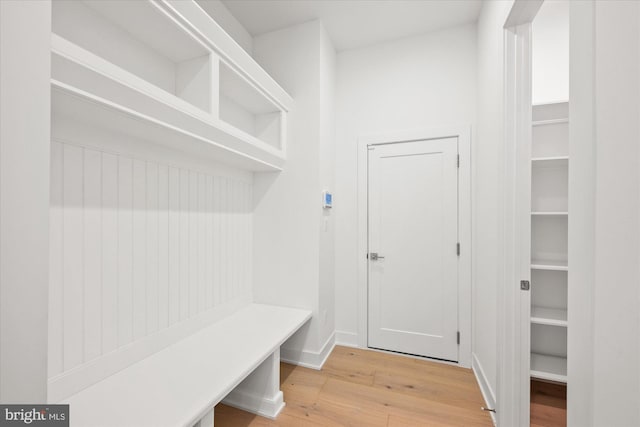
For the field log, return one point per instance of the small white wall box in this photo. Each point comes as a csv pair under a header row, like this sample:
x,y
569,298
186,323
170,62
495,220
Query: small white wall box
x,y
327,199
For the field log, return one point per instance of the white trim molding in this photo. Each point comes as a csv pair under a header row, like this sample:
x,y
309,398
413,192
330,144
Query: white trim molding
x,y
463,133
309,359
488,393
268,407
514,305
347,339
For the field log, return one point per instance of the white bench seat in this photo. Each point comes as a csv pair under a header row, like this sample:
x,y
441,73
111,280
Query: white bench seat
x,y
181,384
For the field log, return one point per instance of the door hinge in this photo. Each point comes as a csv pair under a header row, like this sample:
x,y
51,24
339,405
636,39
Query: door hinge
x,y
458,337
458,249
458,161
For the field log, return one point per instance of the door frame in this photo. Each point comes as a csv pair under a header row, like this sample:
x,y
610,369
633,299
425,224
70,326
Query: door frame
x,y
463,133
514,304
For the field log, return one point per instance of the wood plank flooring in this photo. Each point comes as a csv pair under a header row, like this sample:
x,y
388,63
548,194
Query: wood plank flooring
x,y
548,404
369,388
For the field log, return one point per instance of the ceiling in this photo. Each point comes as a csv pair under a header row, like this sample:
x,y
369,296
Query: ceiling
x,y
356,23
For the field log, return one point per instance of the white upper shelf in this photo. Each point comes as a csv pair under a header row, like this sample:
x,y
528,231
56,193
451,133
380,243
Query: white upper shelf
x,y
214,37
169,93
549,316
550,265
550,368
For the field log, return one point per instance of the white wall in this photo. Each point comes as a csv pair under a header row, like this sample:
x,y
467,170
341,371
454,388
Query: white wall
x,y
219,12
25,29
327,182
550,44
293,252
418,82
488,158
604,333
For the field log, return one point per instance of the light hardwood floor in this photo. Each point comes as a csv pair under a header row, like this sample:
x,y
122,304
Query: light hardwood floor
x,y
548,404
369,388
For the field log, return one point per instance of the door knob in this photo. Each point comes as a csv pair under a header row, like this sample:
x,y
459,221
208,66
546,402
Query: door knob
x,y
373,256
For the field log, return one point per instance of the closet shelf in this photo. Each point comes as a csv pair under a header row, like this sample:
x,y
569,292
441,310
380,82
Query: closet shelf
x,y
90,89
549,122
542,213
74,104
550,162
550,368
549,265
549,316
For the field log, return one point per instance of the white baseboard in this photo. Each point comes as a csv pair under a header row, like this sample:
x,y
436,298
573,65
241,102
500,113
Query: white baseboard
x,y
308,359
347,339
485,387
259,405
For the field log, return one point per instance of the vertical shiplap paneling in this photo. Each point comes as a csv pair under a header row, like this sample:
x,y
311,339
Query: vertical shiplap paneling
x,y
137,246
233,237
125,250
163,246
109,253
224,248
231,242
153,248
139,249
217,241
248,237
73,257
183,266
209,237
193,243
174,245
92,235
56,280
202,262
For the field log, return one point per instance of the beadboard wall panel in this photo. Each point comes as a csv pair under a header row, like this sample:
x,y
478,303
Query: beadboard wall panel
x,y
140,249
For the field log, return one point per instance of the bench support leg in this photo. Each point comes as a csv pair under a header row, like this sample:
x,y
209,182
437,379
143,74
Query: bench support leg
x,y
260,392
206,421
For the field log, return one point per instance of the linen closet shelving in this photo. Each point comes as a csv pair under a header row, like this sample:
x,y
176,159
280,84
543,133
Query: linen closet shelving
x,y
549,232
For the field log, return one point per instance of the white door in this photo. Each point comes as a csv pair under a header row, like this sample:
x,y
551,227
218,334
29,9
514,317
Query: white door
x,y
413,229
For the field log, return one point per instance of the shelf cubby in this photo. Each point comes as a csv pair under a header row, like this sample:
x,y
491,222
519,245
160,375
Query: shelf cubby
x,y
549,289
549,187
549,339
549,238
167,82
550,132
159,52
242,106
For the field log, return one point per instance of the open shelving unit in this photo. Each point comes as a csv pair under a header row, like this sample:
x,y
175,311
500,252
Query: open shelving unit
x,y
179,81
158,121
549,233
